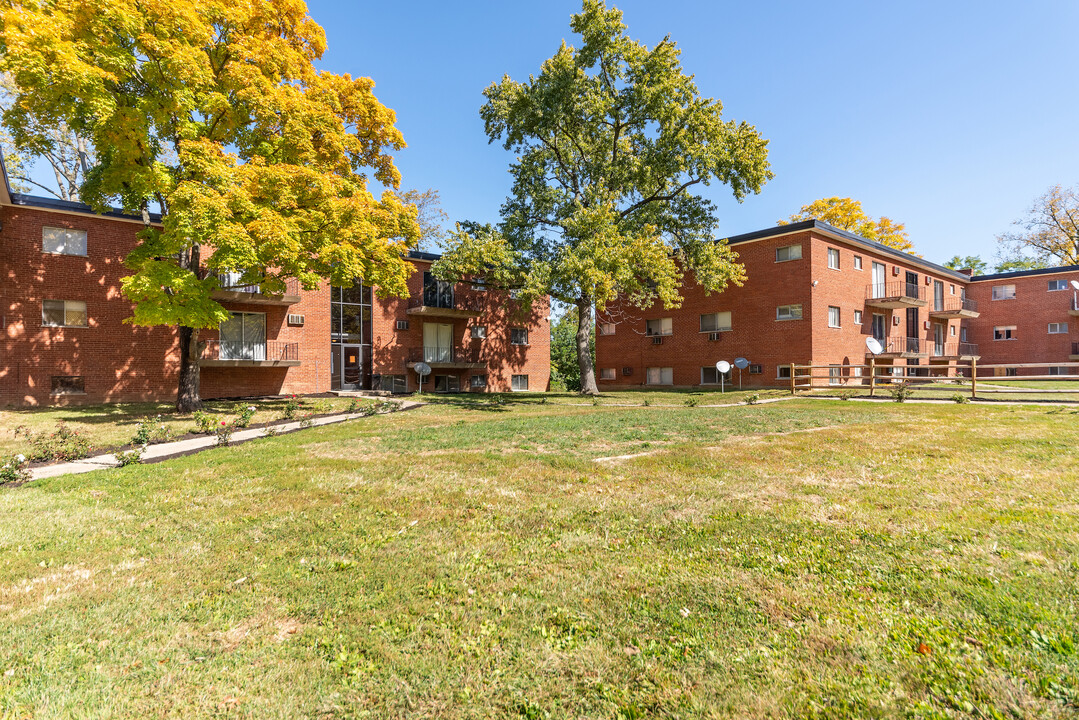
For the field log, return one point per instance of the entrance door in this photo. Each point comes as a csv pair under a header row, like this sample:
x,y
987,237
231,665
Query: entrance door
x,y
437,342
938,295
938,339
912,327
879,278
351,367
912,284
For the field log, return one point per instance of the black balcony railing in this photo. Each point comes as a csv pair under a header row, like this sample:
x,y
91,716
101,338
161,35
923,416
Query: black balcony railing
x,y
453,302
230,282
898,345
271,350
953,349
439,354
952,304
895,289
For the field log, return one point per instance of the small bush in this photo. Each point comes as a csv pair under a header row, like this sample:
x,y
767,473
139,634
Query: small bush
x,y
351,406
63,443
960,398
245,416
269,431
901,391
692,401
292,407
150,431
224,433
205,423
305,421
753,399
130,457
14,468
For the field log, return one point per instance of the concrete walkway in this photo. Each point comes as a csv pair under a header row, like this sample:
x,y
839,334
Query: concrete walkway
x,y
162,451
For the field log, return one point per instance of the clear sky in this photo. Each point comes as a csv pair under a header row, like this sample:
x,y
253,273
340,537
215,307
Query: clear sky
x,y
948,116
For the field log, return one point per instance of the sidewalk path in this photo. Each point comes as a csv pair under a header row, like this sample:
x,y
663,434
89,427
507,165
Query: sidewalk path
x,y
162,451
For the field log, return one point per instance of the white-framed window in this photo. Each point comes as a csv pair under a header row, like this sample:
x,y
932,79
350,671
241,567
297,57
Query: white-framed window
x,y
477,381
661,326
755,369
833,316
242,337
606,374
1004,292
833,259
519,336
64,313
857,262
1058,328
606,328
715,322
1004,332
857,317
659,376
856,371
710,375
519,382
479,284
63,241
783,372
789,312
1059,371
952,287
789,252
1058,285
835,374
479,332
951,330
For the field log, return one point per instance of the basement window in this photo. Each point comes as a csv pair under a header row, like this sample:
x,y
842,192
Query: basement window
x,y
68,385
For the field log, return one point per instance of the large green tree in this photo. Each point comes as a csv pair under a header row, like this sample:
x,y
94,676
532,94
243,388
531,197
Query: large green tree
x,y
612,140
213,112
970,262
564,366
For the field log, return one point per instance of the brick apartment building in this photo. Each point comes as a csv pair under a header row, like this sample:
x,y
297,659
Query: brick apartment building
x,y
1028,317
814,294
65,339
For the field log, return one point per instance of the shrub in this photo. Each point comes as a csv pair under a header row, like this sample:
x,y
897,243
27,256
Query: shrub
x,y
205,423
351,406
14,468
150,431
692,401
753,399
130,457
305,421
960,398
900,391
291,408
269,431
245,416
224,433
63,443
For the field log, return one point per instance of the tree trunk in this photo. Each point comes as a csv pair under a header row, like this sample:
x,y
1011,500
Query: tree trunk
x,y
187,395
584,347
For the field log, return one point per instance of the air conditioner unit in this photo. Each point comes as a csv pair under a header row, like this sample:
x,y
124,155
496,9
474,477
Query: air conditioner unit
x,y
657,340
295,319
714,337
402,324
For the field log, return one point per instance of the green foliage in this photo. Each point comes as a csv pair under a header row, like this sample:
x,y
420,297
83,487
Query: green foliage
x,y
14,469
246,413
1048,235
63,443
292,407
130,457
973,262
224,431
305,420
149,431
901,391
205,423
1021,262
564,366
692,401
960,398
753,398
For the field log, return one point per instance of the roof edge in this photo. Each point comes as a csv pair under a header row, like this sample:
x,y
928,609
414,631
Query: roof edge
x,y
46,203
1026,273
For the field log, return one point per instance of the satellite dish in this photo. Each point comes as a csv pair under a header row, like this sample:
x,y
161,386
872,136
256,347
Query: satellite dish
x,y
741,363
1075,284
874,345
422,369
723,366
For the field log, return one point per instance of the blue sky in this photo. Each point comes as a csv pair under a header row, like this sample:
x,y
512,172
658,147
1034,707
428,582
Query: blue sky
x,y
951,117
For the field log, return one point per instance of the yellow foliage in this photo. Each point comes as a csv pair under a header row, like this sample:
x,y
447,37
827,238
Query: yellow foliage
x,y
847,214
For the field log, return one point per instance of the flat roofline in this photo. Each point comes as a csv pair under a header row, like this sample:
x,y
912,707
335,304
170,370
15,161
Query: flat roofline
x,y
1026,273
850,237
69,206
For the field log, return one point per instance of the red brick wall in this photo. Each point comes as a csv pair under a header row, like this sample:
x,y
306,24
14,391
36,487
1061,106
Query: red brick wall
x,y
390,347
1033,308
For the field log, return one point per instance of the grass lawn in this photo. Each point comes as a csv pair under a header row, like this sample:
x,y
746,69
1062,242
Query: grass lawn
x,y
797,559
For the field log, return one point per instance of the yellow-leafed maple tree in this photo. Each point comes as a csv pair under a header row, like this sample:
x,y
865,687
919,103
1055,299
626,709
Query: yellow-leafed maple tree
x,y
847,214
213,113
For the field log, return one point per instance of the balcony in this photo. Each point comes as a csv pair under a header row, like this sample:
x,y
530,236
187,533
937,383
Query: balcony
x,y
442,306
446,358
1075,351
954,308
250,354
899,347
953,351
231,290
1073,309
898,294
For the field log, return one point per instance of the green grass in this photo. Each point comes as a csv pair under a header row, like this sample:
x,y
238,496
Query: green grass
x,y
988,390
798,559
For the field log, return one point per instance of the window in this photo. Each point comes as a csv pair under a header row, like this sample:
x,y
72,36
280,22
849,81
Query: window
x,y
963,334
789,312
606,374
790,252
519,336
1058,371
1004,332
402,324
783,372
447,383
392,383
856,371
952,287
833,259
479,284
663,326
1058,285
242,337
755,369
519,382
857,262
477,381
857,317
1058,328
833,316
659,376
606,328
479,332
515,293
1012,372
68,385
1004,292
716,322
63,313
951,330
835,374
63,241
627,371
711,376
